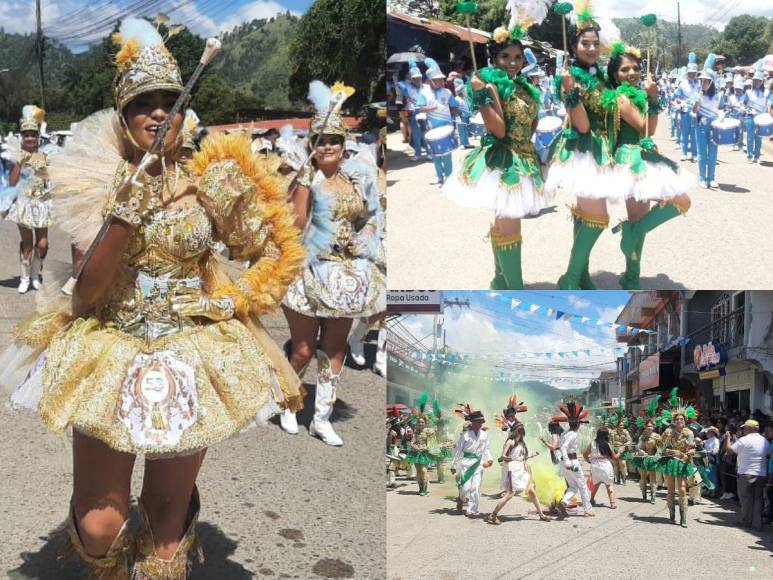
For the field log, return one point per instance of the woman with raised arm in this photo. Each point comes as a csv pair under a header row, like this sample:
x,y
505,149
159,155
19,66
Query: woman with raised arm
x,y
160,353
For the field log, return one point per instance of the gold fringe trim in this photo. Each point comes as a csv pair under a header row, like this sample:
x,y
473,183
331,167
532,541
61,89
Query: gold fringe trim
x,y
590,220
263,286
38,330
503,241
114,565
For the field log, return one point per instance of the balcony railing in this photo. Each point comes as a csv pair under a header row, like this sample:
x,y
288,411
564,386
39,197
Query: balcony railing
x,y
728,331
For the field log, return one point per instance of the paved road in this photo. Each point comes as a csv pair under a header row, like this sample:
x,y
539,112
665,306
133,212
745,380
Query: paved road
x,y
434,243
273,505
428,540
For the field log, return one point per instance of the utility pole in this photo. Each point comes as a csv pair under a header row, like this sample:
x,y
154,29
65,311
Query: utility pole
x,y
39,49
679,35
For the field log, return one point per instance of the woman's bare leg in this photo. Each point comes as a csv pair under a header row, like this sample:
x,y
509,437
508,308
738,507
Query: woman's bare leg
x,y
636,209
166,495
333,337
303,333
41,242
101,492
26,241
508,226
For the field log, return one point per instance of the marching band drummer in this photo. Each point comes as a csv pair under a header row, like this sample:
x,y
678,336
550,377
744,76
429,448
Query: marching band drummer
x,y
441,107
686,95
411,94
464,113
707,110
735,105
757,104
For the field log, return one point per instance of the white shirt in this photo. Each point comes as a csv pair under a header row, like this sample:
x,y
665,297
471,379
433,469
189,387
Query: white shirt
x,y
568,443
752,450
711,446
757,101
471,442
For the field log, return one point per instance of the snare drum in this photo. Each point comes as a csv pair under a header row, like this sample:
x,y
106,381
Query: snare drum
x,y
548,129
442,140
476,128
726,131
763,125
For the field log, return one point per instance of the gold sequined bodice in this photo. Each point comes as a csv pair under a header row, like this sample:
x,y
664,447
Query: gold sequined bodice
x,y
650,442
348,209
520,112
171,243
679,441
38,185
620,438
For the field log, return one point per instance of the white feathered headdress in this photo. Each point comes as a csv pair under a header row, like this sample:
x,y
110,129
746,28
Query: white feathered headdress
x,y
32,118
328,102
523,15
583,18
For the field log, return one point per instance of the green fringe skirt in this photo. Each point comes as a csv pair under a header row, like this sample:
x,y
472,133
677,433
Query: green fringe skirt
x,y
420,458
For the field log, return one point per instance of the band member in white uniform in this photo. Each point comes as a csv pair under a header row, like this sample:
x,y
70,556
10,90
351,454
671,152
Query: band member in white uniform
x,y
472,455
686,95
570,467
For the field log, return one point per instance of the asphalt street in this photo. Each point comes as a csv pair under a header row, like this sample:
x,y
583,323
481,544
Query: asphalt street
x,y
273,505
428,540
433,243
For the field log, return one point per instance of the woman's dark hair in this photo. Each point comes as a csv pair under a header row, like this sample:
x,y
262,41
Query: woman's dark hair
x,y
494,48
602,442
522,430
614,65
554,427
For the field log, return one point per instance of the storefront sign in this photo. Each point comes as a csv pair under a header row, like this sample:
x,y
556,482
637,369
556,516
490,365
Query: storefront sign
x,y
706,356
415,301
649,372
713,374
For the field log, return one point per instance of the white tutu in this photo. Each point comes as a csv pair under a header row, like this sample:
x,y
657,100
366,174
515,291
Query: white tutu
x,y
518,476
601,471
658,183
582,177
489,193
22,376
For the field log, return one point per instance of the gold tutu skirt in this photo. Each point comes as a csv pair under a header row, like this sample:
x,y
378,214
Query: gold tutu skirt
x,y
170,396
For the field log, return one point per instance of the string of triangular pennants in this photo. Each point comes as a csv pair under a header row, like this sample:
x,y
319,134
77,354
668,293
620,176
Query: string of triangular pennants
x,y
555,314
499,377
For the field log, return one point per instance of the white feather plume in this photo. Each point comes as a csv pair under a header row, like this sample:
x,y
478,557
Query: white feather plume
x,y
140,30
286,131
527,12
319,95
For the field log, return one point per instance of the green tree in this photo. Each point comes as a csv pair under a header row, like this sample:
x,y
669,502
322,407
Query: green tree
x,y
491,13
341,40
744,39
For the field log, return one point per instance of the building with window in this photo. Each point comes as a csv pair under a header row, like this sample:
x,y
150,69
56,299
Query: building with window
x,y
729,356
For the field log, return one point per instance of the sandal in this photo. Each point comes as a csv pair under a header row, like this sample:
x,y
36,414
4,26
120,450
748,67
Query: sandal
x,y
545,518
493,519
613,506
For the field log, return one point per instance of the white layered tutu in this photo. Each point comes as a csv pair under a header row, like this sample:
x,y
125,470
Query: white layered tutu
x,y
582,177
489,193
659,182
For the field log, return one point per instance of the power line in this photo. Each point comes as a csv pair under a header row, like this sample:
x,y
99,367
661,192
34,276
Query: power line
x,y
105,23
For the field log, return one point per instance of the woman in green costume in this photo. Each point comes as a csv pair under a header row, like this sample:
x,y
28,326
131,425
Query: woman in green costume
x,y
677,446
644,174
420,453
644,460
580,158
503,174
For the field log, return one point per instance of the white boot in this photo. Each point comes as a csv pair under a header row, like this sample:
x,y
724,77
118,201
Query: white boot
x,y
36,270
289,422
24,281
323,402
356,347
380,368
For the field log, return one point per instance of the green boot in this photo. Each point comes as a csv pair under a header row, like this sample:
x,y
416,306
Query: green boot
x,y
683,513
587,232
652,497
586,283
507,255
671,511
498,281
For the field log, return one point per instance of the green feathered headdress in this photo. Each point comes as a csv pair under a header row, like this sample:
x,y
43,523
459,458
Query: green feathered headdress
x,y
618,416
650,413
677,407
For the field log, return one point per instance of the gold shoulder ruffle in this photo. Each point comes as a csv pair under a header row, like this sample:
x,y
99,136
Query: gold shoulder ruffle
x,y
247,201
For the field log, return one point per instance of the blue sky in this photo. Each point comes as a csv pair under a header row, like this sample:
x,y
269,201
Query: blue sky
x,y
490,326
205,17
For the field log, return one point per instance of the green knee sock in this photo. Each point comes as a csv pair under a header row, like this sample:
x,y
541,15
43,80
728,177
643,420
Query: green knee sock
x,y
586,283
584,240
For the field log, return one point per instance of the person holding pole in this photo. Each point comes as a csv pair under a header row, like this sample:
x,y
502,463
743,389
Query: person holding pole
x,y
160,354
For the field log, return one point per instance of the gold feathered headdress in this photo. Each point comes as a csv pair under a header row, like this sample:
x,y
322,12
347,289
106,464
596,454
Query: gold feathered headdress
x,y
32,118
327,102
144,63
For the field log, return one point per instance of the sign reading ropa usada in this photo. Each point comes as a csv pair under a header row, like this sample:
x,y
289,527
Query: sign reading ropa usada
x,y
415,301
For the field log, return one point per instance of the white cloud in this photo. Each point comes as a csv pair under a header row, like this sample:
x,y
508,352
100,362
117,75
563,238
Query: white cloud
x,y
711,13
578,302
259,9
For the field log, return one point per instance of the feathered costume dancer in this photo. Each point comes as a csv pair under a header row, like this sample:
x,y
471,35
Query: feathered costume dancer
x,y
645,459
173,359
515,455
571,468
581,163
620,439
641,171
471,456
424,449
31,205
503,174
677,446
344,274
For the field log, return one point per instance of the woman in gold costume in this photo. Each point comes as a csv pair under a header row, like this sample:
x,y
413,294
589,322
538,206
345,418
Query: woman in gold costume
x,y
159,354
678,446
31,209
336,202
